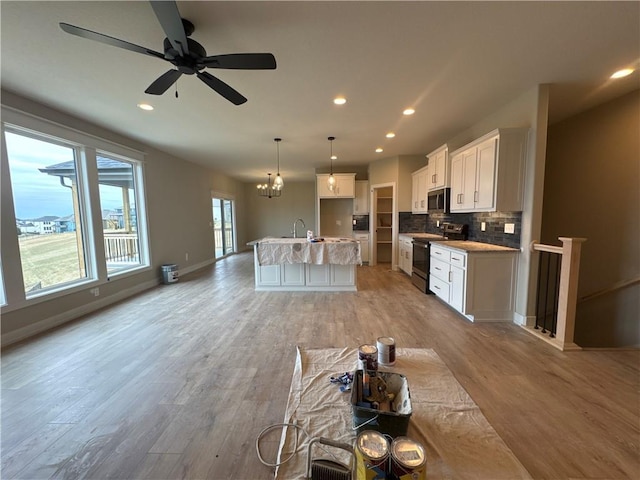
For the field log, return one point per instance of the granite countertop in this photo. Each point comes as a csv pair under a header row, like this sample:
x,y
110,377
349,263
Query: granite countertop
x,y
467,246
430,236
291,240
325,250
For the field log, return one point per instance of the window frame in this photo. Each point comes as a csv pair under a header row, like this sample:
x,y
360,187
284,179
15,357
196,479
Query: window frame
x,y
85,148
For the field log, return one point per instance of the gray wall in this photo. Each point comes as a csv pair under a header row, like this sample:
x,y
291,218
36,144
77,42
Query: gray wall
x,y
274,217
592,190
178,195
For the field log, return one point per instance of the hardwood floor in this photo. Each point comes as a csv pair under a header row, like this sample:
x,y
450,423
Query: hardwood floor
x,y
178,381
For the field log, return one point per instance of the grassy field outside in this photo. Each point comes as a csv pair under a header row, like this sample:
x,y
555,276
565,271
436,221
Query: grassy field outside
x,y
49,260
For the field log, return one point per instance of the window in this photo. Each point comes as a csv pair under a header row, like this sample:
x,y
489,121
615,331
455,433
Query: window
x,y
78,207
48,211
118,200
223,230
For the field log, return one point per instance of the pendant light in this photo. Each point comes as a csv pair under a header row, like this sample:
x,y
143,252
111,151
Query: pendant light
x,y
278,183
331,181
273,188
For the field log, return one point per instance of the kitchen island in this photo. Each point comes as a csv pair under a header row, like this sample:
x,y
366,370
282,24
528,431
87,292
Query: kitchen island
x,y
297,264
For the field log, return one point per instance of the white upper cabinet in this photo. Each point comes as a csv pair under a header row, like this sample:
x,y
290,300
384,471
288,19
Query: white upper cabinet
x,y
419,188
345,185
361,202
438,168
487,175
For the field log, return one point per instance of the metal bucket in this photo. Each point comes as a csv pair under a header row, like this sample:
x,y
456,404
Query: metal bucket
x,y
169,273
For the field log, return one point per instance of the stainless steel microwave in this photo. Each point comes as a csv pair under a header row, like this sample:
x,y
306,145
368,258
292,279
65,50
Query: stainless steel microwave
x,y
438,201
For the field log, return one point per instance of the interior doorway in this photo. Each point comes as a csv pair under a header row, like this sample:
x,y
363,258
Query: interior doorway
x,y
384,224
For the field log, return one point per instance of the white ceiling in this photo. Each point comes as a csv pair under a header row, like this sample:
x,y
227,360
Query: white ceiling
x,y
454,62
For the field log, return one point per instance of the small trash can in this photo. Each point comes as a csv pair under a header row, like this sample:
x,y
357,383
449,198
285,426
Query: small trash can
x,y
169,273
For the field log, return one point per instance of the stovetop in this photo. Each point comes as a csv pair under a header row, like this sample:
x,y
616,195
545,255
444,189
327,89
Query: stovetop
x,y
450,231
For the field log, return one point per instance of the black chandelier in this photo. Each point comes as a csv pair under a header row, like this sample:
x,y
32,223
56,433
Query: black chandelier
x,y
273,188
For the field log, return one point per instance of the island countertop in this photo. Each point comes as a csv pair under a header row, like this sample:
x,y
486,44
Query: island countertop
x,y
329,250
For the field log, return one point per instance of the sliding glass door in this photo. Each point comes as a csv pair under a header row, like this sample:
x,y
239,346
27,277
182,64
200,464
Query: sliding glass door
x,y
223,230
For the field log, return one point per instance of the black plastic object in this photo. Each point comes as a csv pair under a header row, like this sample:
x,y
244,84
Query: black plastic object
x,y
187,55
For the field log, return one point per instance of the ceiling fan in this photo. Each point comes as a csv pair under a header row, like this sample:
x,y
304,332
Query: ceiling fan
x,y
188,56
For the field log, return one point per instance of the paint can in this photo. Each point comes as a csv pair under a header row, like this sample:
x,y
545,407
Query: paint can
x,y
386,350
368,357
372,456
408,459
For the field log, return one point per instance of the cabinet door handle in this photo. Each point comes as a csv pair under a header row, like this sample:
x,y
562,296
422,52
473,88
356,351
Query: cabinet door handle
x,y
433,178
436,287
449,276
475,196
438,268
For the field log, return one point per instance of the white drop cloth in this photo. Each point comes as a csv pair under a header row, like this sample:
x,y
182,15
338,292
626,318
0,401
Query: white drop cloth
x,y
336,251
459,441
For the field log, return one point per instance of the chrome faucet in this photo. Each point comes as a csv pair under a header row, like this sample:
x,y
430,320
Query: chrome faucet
x,y
295,224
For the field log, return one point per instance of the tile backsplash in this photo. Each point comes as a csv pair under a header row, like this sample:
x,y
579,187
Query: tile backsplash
x,y
494,225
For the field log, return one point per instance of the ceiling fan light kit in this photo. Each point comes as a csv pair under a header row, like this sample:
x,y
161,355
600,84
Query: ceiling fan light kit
x,y
187,55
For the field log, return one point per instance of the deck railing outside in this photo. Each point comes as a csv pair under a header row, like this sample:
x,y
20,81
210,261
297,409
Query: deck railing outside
x,y
228,241
121,247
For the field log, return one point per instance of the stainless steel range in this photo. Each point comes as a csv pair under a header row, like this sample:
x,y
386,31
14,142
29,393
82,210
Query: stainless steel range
x,y
422,252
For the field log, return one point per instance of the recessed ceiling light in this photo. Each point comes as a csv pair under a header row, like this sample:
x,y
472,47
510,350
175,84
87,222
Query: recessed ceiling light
x,y
339,100
408,111
379,150
625,72
145,106
390,135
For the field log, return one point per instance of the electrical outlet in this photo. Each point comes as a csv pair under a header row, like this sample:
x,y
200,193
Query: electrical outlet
x,y
95,291
483,226
186,257
339,223
509,228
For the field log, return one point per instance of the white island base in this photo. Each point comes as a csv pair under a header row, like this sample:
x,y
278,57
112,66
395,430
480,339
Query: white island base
x,y
304,277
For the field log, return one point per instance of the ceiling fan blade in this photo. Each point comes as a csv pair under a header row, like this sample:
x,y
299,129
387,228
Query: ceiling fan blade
x,y
171,22
163,82
222,88
106,39
241,61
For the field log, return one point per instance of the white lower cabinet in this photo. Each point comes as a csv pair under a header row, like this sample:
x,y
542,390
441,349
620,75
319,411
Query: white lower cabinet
x,y
405,253
363,239
318,275
292,274
268,275
342,275
479,285
304,277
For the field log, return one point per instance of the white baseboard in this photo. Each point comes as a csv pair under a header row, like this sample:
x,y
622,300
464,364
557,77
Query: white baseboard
x,y
64,317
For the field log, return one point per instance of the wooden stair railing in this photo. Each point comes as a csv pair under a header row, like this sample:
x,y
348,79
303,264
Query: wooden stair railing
x,y
567,292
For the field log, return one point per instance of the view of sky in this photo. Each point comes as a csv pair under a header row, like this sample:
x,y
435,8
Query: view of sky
x,y
37,194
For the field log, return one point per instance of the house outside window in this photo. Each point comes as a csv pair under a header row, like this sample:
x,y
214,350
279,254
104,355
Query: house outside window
x,y
56,183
